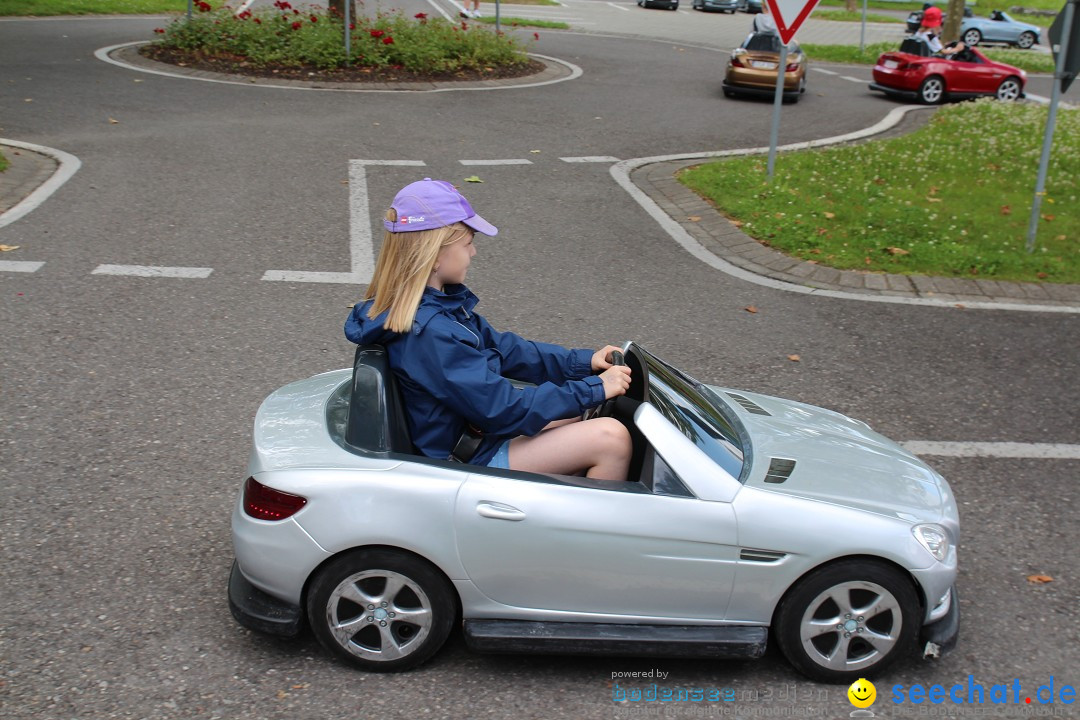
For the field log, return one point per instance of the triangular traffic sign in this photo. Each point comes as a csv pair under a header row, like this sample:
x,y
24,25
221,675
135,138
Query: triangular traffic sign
x,y
789,15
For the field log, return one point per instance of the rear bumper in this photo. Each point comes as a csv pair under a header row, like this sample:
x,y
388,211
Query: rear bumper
x,y
258,611
760,91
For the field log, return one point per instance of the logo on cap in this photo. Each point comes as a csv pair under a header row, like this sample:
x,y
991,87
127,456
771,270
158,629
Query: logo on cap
x,y
411,219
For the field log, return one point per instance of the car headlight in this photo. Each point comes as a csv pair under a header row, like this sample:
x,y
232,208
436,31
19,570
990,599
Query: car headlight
x,y
934,539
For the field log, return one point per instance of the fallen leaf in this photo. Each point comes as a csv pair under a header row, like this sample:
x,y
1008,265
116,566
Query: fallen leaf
x,y
961,306
829,215
933,199
344,182
815,251
534,152
281,694
8,248
1050,200
750,309
1060,238
301,686
1006,210
137,80
1041,275
1039,579
1047,218
737,223
822,231
933,190
794,358
694,218
473,178
29,100
114,121
867,260
897,251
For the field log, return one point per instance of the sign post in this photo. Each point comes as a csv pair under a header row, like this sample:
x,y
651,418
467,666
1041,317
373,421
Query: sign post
x,y
1065,43
789,16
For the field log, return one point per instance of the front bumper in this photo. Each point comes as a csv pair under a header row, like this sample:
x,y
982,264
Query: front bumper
x,y
940,636
728,5
256,610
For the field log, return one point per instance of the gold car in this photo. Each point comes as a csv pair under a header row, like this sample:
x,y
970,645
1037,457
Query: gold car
x,y
752,68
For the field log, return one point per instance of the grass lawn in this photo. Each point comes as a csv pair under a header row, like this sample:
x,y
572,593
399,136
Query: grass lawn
x,y
982,9
89,7
522,22
951,199
1024,59
3,162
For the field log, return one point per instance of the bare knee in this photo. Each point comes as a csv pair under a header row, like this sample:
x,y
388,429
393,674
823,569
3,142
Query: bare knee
x,y
612,436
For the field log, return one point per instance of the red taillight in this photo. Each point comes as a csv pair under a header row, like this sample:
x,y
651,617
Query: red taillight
x,y
263,503
792,67
736,62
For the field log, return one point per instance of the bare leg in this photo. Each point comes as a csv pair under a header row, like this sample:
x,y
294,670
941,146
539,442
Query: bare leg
x,y
601,447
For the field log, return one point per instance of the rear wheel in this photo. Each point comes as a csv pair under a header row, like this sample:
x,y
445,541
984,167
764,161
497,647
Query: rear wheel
x,y
1026,40
972,37
932,90
381,610
1009,89
848,620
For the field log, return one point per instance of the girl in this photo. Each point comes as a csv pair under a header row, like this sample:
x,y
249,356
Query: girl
x,y
454,369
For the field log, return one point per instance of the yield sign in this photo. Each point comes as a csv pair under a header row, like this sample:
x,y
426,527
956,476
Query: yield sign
x,y
789,15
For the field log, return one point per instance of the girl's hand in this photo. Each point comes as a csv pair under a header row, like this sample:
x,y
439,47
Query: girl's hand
x,y
616,380
601,359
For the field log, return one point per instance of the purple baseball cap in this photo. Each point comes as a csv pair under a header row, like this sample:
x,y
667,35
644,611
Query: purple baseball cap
x,y
430,204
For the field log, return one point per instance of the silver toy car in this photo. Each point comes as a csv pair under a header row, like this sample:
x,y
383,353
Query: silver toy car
x,y
744,515
1000,28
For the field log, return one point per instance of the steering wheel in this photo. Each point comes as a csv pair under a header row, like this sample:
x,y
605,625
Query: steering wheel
x,y
606,408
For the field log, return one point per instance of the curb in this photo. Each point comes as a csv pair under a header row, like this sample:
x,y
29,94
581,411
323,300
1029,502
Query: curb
x,y
36,172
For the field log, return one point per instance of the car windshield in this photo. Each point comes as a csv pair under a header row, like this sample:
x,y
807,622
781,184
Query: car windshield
x,y
763,42
687,405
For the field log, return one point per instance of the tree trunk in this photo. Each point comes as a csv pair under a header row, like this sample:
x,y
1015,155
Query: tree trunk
x,y
337,8
950,30
851,5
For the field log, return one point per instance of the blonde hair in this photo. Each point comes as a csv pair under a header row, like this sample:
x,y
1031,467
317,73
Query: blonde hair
x,y
405,264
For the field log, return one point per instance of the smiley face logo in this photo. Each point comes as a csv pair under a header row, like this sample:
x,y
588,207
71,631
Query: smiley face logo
x,y
862,693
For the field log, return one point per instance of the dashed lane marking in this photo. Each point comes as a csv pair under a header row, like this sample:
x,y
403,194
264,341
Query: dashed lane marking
x,y
827,72
856,80
153,271
619,7
591,159
1038,451
23,266
511,161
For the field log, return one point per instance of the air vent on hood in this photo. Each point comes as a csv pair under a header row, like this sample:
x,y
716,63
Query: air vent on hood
x,y
779,470
748,405
764,556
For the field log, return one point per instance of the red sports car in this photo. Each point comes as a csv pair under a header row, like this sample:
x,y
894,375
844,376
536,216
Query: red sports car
x,y
932,79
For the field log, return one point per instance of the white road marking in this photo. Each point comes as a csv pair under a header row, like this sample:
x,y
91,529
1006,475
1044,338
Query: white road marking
x,y
69,165
1038,451
26,266
243,6
857,80
619,7
621,173
440,10
361,242
827,72
103,55
153,271
591,159
511,161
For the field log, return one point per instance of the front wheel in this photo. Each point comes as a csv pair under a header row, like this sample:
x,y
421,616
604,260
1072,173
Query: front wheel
x,y
848,620
1026,40
972,37
1009,89
932,90
381,610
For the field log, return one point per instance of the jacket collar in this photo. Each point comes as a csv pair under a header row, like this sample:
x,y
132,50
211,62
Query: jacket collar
x,y
451,301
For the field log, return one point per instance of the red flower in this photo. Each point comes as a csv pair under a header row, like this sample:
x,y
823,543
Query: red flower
x,y
536,36
295,12
388,41
282,5
244,15
258,21
297,25
376,33
420,16
464,26
159,31
352,26
314,19
203,6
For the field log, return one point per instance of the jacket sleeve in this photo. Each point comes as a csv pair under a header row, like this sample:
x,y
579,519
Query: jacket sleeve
x,y
535,362
457,374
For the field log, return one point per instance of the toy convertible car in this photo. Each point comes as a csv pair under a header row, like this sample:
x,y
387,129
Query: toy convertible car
x,y
913,73
745,515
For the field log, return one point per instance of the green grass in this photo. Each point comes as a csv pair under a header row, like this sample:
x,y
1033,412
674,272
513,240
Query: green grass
x,y
522,22
845,16
982,9
1024,59
952,199
3,162
90,7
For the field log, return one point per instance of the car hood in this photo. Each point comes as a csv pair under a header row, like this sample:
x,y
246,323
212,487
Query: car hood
x,y
838,460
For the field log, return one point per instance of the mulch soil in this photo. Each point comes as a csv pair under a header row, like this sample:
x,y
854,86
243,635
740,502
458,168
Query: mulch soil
x,y
239,65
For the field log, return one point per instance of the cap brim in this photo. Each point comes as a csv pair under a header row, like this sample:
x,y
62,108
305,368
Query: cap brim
x,y
481,225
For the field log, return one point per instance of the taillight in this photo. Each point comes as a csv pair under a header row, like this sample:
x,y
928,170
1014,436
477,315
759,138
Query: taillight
x,y
263,503
736,62
792,67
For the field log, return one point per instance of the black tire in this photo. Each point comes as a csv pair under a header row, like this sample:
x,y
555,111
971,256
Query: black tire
x,y
932,92
834,644
410,609
1026,40
972,37
1009,89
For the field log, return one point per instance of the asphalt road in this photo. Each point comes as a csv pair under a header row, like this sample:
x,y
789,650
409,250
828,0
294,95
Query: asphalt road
x,y
127,402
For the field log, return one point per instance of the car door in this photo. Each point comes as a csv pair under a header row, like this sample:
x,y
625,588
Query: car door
x,y
969,77
616,549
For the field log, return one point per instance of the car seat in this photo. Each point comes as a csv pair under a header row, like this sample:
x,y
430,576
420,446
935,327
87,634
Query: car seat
x,y
376,420
915,46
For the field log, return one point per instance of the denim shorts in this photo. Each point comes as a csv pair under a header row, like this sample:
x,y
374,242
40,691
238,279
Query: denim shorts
x,y
501,459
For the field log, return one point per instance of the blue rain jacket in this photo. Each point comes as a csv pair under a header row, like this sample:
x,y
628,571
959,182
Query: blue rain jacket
x,y
455,368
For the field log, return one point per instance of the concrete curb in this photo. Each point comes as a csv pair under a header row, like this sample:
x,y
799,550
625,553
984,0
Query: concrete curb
x,y
35,174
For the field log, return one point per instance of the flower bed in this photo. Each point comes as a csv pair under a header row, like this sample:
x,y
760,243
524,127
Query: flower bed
x,y
288,40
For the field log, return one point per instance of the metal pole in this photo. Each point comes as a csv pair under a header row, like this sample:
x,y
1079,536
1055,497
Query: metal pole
x,y
1048,136
189,4
862,33
348,32
497,16
778,99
